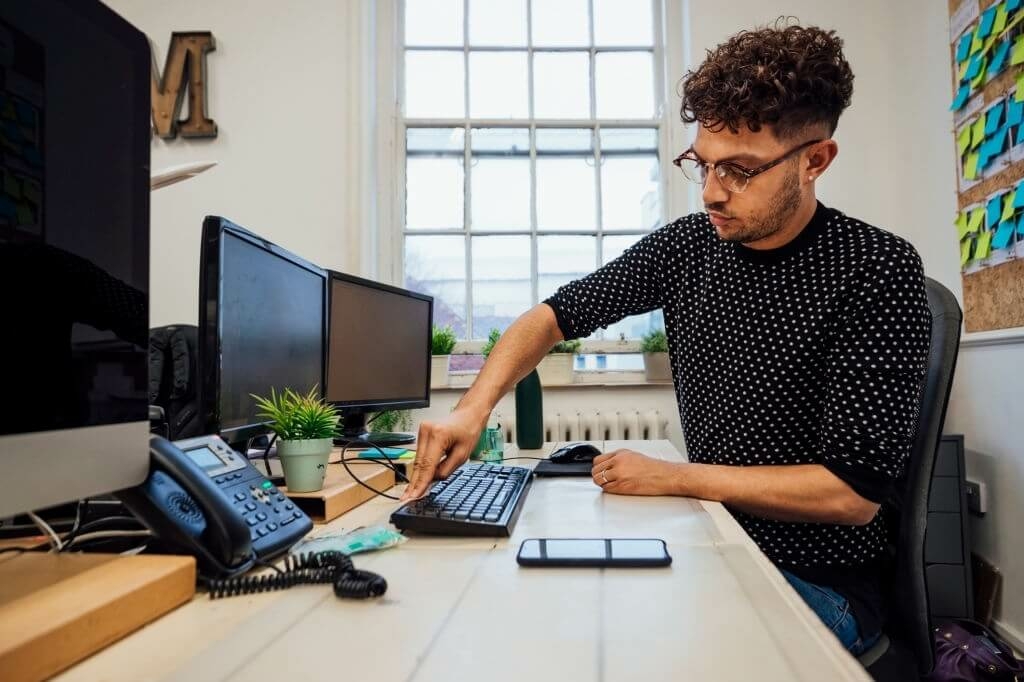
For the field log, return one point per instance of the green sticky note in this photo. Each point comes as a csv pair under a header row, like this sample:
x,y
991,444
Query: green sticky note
x,y
976,81
971,166
1019,95
976,43
12,187
965,252
25,216
1008,205
1016,52
977,215
1000,23
963,140
32,193
984,245
978,132
961,226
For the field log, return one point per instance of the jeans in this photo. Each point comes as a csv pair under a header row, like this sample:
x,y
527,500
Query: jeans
x,y
834,611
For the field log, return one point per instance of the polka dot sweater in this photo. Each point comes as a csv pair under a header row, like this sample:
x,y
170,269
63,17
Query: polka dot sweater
x,y
812,353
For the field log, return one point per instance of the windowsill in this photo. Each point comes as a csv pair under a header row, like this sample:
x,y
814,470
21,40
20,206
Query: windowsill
x,y
462,380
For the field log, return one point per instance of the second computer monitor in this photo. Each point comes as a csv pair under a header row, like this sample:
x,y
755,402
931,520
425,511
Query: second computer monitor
x,y
378,351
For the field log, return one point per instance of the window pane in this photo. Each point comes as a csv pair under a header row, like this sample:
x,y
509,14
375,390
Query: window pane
x,y
437,266
433,193
500,195
561,85
509,141
434,139
629,192
623,22
560,24
629,139
625,85
561,260
434,84
501,282
433,22
497,22
598,362
636,326
497,85
564,139
565,194
614,245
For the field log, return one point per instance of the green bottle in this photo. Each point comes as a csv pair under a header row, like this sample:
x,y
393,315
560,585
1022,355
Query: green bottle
x,y
529,419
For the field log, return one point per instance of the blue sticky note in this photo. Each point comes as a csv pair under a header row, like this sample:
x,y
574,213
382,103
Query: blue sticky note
x,y
963,48
1018,201
996,65
974,67
988,17
1002,236
1011,5
390,453
961,97
992,148
1020,228
993,211
1014,112
992,119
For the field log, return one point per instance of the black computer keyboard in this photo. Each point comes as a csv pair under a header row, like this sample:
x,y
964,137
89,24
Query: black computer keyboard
x,y
476,499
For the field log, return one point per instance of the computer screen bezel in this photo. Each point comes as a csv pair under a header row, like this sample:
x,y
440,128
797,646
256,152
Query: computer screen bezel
x,y
210,365
404,403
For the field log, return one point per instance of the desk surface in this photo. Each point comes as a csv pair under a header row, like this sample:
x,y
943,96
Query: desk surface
x,y
461,608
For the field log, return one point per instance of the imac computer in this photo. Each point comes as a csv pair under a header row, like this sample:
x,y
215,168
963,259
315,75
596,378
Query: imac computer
x,y
378,353
261,326
74,253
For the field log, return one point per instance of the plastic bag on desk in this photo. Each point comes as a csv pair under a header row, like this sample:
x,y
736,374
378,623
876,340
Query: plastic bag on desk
x,y
365,539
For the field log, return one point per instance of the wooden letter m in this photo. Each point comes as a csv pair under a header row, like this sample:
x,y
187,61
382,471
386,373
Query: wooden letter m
x,y
185,67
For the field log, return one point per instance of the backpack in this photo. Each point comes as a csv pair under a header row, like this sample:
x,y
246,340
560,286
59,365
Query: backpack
x,y
173,378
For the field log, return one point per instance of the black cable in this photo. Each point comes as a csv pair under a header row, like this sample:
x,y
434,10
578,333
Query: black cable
x,y
383,462
266,455
306,569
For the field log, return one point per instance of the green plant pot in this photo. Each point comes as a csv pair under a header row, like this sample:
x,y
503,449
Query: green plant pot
x,y
304,463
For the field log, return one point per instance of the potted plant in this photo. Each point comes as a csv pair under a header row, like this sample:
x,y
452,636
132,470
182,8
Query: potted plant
x,y
390,421
557,366
654,346
305,428
442,341
492,338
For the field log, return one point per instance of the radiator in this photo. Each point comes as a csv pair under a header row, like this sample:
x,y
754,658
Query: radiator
x,y
560,427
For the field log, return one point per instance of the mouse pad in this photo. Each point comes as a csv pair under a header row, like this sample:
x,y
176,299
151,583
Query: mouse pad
x,y
549,468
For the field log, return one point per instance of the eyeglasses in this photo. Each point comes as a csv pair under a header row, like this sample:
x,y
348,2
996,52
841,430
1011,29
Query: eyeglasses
x,y
733,176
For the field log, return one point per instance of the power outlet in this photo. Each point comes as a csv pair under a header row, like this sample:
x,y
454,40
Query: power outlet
x,y
977,497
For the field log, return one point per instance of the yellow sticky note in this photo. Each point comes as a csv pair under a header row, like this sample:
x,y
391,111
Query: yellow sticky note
x,y
965,252
1000,22
961,226
1019,95
984,245
978,132
974,222
971,166
976,81
1016,52
975,42
963,140
1008,199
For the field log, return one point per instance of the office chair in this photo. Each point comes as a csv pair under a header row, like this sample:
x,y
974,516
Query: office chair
x,y
908,653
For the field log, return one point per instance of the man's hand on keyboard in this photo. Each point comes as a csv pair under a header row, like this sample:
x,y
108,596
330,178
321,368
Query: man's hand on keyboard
x,y
441,447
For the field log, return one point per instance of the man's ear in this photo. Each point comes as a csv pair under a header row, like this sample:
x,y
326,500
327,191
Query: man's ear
x,y
819,158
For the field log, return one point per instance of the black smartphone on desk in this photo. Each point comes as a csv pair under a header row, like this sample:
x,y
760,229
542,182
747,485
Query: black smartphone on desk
x,y
611,552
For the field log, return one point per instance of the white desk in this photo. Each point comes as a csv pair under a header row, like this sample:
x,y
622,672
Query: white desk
x,y
462,609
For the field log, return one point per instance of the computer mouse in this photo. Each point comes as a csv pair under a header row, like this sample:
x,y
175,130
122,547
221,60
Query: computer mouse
x,y
574,452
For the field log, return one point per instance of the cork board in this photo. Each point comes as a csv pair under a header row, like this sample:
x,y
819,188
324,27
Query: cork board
x,y
993,278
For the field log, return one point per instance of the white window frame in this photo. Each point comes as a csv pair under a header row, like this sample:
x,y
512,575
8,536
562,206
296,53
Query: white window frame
x,y
678,197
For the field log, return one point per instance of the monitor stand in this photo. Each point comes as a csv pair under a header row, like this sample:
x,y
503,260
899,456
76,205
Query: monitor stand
x,y
354,434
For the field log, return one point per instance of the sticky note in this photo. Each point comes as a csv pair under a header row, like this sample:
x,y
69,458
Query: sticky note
x,y
978,132
965,252
976,81
390,453
1011,5
984,245
963,47
999,23
992,212
961,226
998,59
1017,53
988,18
974,67
992,118
12,187
963,140
971,166
1020,228
1007,205
31,191
976,42
974,221
1014,113
1002,237
961,97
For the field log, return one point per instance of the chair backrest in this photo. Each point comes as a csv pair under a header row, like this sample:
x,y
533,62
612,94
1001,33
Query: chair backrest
x,y
909,615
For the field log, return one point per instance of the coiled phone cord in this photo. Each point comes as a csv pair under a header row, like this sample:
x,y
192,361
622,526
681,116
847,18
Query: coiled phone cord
x,y
306,569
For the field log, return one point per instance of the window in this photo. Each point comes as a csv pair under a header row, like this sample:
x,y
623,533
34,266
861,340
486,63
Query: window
x,y
534,138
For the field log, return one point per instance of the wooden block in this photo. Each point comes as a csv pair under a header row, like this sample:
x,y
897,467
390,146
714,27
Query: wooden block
x,y
57,609
340,492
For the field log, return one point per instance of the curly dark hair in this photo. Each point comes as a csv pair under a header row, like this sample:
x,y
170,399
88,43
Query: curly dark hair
x,y
786,76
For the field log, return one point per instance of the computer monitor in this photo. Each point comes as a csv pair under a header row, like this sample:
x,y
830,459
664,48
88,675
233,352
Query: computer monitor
x,y
378,352
261,327
74,252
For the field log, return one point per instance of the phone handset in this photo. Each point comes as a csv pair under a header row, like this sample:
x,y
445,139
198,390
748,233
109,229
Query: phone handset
x,y
180,503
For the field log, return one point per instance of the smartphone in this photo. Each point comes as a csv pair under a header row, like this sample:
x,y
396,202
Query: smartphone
x,y
625,552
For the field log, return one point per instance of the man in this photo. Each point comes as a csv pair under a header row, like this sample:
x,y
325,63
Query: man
x,y
798,336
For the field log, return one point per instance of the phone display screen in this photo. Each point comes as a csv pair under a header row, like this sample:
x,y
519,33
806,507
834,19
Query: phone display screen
x,y
205,458
594,552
